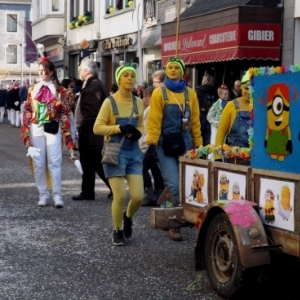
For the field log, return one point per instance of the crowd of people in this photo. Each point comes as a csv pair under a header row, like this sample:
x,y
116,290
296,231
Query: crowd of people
x,y
153,126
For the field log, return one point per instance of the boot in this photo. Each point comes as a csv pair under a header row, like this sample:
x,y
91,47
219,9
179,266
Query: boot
x,y
174,230
150,198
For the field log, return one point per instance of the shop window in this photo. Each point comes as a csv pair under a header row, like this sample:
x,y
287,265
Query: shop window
x,y
149,10
11,22
152,66
11,54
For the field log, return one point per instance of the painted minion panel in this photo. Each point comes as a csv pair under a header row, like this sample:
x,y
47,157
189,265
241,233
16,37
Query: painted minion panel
x,y
199,194
223,187
284,204
278,141
194,185
269,206
236,193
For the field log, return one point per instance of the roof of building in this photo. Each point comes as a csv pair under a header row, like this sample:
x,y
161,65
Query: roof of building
x,y
201,7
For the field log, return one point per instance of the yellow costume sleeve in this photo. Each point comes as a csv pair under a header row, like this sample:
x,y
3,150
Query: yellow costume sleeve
x,y
226,122
105,123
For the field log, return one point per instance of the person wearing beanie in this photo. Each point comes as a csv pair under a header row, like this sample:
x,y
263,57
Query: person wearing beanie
x,y
121,115
174,111
214,113
234,122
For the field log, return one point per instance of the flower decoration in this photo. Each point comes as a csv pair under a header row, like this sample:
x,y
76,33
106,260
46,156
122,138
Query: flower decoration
x,y
241,212
87,17
72,23
167,204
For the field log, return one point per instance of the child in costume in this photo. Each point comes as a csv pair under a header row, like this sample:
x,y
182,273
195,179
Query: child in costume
x,y
45,122
113,121
214,113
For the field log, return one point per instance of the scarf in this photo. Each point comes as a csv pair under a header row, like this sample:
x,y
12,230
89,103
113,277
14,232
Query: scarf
x,y
44,95
176,87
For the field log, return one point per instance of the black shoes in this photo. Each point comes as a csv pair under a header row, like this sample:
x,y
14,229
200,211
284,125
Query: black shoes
x,y
80,197
110,195
118,238
127,226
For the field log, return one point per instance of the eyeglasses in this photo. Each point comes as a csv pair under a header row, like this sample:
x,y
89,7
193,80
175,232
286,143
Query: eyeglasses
x,y
177,60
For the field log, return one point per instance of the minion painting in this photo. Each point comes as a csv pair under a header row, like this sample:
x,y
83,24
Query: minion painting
x,y
269,206
223,187
284,204
278,142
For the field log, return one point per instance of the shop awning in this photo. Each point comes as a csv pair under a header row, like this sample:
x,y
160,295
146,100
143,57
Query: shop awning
x,y
231,42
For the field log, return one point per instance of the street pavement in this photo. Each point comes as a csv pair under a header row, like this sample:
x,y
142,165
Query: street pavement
x,y
49,253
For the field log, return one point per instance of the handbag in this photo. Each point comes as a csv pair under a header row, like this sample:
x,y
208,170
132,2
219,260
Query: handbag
x,y
173,144
51,127
111,151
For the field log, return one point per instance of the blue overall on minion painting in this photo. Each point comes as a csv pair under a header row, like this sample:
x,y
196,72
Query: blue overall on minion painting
x,y
276,101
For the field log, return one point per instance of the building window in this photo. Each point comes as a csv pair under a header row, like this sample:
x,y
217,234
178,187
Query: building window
x,y
74,8
57,6
41,8
11,54
11,22
88,9
149,10
119,4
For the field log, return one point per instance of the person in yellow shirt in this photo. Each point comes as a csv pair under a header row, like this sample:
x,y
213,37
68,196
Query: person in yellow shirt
x,y
234,121
174,112
113,121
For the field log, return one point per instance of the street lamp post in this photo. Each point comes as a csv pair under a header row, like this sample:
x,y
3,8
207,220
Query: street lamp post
x,y
22,82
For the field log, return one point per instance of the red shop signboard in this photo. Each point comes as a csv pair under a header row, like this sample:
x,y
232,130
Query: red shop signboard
x,y
236,41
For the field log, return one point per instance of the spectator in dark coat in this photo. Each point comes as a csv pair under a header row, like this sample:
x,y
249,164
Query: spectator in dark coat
x,y
236,92
3,95
15,103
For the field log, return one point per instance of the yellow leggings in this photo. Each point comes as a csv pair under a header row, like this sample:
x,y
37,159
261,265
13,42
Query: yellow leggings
x,y
136,186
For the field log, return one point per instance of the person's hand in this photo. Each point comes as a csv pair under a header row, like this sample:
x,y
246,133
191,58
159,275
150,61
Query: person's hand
x,y
16,103
73,155
152,154
33,152
126,128
78,166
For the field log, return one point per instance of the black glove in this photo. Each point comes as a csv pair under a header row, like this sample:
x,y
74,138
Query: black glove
x,y
152,154
289,147
266,143
131,132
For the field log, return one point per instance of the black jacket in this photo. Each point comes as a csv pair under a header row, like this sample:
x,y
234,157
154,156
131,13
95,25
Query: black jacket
x,y
206,97
14,97
92,97
3,96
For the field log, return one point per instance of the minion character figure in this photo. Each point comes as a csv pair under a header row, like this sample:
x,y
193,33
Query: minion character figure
x,y
278,141
199,194
269,206
194,186
223,187
284,204
236,193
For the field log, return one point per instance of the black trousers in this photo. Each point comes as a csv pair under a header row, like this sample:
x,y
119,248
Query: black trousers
x,y
90,160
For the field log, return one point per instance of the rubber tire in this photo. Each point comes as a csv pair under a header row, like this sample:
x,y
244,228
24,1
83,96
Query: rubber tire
x,y
225,275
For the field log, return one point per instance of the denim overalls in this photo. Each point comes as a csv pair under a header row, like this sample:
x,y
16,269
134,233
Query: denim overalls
x,y
238,135
172,122
131,157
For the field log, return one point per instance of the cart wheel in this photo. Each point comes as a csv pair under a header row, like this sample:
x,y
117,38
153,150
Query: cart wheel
x,y
222,261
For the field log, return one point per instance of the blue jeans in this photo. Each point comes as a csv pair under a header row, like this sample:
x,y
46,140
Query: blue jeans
x,y
205,129
169,168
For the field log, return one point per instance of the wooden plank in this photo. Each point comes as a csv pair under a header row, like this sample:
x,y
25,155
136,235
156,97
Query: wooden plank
x,y
160,216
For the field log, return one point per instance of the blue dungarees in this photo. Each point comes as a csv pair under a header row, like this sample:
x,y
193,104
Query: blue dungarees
x,y
172,122
131,157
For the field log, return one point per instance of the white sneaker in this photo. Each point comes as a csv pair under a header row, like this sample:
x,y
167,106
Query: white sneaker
x,y
43,202
58,202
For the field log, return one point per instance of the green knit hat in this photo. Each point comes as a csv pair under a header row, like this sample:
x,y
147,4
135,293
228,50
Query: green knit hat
x,y
177,60
122,69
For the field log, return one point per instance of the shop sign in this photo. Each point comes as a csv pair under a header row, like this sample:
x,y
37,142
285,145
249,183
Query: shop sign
x,y
224,43
117,43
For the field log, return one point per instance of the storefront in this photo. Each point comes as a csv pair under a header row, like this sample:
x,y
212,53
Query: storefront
x,y
116,51
228,47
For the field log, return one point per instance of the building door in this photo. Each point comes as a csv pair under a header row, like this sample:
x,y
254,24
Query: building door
x,y
109,80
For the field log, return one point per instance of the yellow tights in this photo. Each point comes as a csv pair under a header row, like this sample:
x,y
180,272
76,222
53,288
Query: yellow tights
x,y
118,187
